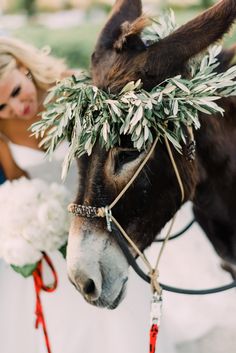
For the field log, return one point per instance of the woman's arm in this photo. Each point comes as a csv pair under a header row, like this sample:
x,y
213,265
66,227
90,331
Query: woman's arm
x,y
7,163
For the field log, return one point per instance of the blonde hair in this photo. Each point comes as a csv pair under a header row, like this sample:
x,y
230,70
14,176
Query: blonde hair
x,y
44,68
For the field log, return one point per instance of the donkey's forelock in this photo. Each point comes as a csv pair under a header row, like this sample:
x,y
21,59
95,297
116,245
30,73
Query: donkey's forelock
x,y
121,56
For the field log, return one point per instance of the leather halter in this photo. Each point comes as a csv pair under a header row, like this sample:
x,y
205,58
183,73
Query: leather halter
x,y
120,235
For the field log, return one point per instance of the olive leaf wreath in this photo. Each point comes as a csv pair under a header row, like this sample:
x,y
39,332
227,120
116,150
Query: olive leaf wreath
x,y
83,114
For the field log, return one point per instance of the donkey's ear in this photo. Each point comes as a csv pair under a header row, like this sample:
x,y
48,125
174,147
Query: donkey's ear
x,y
193,37
123,11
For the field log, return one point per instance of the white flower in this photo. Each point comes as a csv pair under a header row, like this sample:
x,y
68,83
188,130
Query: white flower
x,y
34,218
19,252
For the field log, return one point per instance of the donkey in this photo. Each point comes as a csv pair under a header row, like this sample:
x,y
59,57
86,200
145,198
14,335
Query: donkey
x,y
96,264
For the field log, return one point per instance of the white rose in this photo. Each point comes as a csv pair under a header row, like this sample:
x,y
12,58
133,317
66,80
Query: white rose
x,y
19,252
36,221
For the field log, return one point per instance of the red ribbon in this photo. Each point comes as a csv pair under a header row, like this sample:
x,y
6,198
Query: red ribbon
x,y
40,286
153,337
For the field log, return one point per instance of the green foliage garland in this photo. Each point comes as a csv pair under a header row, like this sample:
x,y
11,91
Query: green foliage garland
x,y
85,114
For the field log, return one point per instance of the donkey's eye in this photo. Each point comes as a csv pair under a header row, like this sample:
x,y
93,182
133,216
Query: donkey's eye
x,y
124,157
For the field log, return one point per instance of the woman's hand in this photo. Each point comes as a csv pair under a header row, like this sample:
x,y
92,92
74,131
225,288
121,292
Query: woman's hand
x,y
10,168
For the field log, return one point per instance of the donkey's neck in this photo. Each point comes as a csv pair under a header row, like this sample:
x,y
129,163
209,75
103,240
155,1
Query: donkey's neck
x,y
216,141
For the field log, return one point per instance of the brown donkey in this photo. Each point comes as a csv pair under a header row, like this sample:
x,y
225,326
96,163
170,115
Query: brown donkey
x,y
96,264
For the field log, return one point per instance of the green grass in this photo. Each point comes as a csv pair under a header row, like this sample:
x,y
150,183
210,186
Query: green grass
x,y
73,44
76,44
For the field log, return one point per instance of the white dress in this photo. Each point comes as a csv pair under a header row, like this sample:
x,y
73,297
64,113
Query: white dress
x,y
189,325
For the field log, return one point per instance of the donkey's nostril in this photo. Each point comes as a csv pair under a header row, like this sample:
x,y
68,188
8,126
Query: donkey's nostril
x,y
89,287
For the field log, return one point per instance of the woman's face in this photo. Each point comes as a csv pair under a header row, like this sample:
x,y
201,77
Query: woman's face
x,y
18,95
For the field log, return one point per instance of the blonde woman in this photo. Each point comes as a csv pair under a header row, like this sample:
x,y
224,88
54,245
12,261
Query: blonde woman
x,y
26,74
74,326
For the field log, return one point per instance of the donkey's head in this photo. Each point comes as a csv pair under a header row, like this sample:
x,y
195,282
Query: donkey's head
x,y
96,265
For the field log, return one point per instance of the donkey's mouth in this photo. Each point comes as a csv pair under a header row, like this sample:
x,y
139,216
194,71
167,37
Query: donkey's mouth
x,y
120,296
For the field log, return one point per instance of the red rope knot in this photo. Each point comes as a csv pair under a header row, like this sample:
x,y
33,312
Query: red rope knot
x,y
40,286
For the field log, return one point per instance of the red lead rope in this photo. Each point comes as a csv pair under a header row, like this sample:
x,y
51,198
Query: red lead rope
x,y
153,337
156,311
39,285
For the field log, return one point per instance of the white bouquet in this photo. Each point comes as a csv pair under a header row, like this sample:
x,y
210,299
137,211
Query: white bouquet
x,y
33,219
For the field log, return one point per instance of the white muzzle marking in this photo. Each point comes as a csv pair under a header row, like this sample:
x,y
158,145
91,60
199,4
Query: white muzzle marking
x,y
95,264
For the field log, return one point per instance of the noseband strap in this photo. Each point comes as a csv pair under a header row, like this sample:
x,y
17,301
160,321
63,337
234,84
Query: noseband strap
x,y
84,211
91,212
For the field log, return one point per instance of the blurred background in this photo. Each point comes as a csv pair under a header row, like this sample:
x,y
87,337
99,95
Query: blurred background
x,y
70,27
